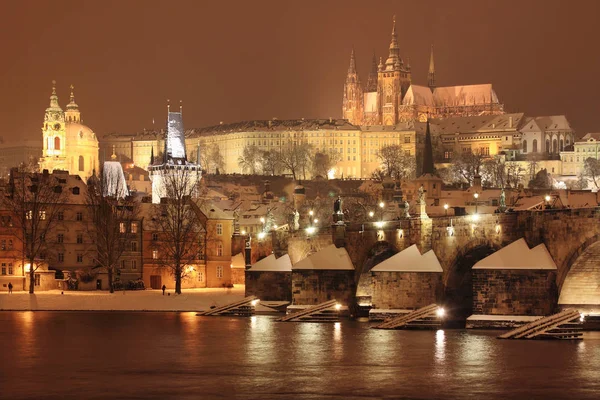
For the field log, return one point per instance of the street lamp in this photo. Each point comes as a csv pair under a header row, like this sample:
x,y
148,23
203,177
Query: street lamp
x,y
446,209
371,213
381,204
476,195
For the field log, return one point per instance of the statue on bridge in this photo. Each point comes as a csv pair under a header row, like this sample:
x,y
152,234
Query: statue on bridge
x,y
421,195
337,206
406,209
502,199
296,220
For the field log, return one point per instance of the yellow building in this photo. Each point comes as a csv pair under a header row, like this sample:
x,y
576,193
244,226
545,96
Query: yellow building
x,y
68,145
573,158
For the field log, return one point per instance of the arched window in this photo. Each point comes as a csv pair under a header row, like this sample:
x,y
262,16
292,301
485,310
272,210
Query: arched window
x,y
562,145
554,146
524,146
81,163
548,146
534,146
56,143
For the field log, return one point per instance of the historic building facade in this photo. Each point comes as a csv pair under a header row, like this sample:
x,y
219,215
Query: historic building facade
x,y
68,145
390,96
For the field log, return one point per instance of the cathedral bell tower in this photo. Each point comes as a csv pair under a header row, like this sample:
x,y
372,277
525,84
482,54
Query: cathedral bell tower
x,y
352,105
54,136
72,114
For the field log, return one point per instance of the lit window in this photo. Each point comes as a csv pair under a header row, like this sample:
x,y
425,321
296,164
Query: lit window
x,y
29,214
42,215
154,254
220,272
134,227
122,227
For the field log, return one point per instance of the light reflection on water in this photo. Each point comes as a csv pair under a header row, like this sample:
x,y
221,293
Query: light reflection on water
x,y
170,355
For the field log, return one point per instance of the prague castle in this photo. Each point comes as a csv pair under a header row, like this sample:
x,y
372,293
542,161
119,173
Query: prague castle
x,y
390,97
68,145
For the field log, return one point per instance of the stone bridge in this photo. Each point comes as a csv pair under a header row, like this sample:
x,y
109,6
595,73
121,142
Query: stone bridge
x,y
459,242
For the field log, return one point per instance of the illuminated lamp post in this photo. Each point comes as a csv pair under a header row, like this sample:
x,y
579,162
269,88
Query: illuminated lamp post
x,y
476,195
446,209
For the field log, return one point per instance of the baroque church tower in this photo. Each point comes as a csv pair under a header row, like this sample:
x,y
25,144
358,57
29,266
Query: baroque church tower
x,y
394,79
352,106
54,135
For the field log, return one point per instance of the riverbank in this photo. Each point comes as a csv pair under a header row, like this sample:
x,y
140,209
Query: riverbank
x,y
142,300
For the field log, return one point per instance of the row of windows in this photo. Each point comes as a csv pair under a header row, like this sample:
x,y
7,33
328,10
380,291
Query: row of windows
x,y
133,227
7,269
6,244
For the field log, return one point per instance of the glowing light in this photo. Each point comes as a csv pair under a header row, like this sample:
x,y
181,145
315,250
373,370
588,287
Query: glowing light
x,y
400,233
275,226
548,198
475,217
381,204
476,195
446,206
310,230
316,220
243,232
379,224
581,317
261,235
338,306
331,173
311,212
440,312
497,228
190,269
262,220
371,213
254,302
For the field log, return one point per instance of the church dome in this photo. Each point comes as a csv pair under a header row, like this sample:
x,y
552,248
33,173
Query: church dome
x,y
80,134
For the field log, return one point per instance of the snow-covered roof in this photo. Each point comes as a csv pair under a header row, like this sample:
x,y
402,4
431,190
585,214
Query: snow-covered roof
x,y
370,99
465,95
553,122
270,263
419,95
175,146
518,255
238,261
330,257
114,180
410,260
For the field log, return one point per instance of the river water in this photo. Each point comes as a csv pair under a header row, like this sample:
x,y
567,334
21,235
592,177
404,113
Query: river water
x,y
69,355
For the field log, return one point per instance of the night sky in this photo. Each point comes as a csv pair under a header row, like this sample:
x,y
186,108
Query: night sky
x,y
238,60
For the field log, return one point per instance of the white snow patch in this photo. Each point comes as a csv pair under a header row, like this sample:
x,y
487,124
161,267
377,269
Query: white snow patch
x,y
270,263
518,255
410,260
329,258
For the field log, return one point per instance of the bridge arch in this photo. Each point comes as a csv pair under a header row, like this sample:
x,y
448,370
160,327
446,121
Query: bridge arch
x,y
458,278
580,280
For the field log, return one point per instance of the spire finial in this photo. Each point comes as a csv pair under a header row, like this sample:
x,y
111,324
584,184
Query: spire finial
x,y
352,67
168,105
113,155
72,94
431,73
181,106
54,87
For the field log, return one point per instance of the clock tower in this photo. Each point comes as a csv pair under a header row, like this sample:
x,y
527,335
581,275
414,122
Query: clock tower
x,y
54,136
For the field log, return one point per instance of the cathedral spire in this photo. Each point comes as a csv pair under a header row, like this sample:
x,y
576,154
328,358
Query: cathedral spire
x,y
428,154
393,61
372,81
352,67
431,73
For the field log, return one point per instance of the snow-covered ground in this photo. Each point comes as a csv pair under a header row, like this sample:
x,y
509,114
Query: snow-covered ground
x,y
142,300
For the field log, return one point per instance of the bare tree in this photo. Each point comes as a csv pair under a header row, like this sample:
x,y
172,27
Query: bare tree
x,y
295,158
112,214
533,164
35,201
396,162
271,163
514,174
179,230
211,158
494,172
250,160
591,169
467,165
324,160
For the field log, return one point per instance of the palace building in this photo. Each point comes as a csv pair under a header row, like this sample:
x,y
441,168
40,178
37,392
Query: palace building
x,y
68,145
390,97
